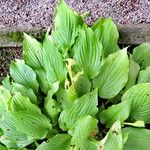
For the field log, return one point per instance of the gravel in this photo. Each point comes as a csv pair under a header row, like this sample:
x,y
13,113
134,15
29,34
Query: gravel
x,y
18,13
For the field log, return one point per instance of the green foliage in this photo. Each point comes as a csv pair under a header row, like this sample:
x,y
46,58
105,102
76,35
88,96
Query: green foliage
x,y
77,90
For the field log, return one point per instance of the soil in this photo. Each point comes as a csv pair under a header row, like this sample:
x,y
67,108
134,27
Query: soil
x,y
6,56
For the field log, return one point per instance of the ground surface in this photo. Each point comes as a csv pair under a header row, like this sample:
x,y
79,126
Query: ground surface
x,y
6,56
17,13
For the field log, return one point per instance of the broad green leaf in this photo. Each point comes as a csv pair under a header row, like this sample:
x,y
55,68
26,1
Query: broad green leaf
x,y
12,138
62,98
2,147
58,142
83,106
116,112
6,83
138,139
107,33
144,76
19,102
113,140
113,74
5,97
67,24
53,62
133,73
89,145
141,55
23,74
82,130
52,109
25,91
32,52
33,125
82,85
87,52
72,93
42,79
138,98
51,106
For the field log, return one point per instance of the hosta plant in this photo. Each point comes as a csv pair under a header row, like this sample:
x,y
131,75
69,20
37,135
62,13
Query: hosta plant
x,y
77,90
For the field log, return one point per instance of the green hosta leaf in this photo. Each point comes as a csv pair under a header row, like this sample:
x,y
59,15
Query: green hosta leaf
x,y
138,139
87,52
32,52
144,76
107,33
113,139
53,109
116,112
133,73
19,102
72,93
58,142
6,83
82,85
66,27
5,97
11,137
24,75
62,98
138,98
83,106
141,55
83,128
42,79
33,125
3,147
51,106
53,62
25,91
89,145
113,74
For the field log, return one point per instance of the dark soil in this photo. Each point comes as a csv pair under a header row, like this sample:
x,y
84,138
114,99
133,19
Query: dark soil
x,y
6,56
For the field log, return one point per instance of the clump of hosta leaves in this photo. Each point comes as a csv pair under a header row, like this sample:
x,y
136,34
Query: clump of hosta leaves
x,y
77,90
